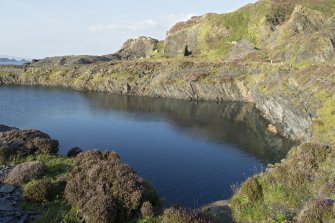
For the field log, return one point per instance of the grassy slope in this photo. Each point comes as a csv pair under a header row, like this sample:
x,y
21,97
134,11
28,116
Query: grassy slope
x,y
251,22
279,194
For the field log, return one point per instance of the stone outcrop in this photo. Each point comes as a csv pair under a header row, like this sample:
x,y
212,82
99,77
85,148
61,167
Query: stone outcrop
x,y
76,60
10,198
142,47
183,38
307,35
241,50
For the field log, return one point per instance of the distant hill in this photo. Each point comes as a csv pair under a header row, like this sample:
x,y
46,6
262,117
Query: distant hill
x,y
8,60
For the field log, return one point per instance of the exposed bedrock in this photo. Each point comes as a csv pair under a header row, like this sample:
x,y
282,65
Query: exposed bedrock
x,y
182,80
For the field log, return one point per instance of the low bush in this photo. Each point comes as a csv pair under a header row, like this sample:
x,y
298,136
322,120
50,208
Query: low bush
x,y
147,210
38,191
101,183
17,144
25,172
318,210
183,215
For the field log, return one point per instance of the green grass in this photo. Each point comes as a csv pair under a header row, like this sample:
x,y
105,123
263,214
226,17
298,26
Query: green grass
x,y
52,211
4,73
56,209
324,125
56,165
286,187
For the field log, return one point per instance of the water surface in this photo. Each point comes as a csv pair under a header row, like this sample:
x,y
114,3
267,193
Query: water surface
x,y
190,152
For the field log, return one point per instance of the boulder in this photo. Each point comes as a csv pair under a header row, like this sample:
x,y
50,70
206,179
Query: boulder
x,y
73,152
138,48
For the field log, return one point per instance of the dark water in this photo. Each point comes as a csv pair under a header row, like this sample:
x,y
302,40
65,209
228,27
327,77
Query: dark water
x,y
191,152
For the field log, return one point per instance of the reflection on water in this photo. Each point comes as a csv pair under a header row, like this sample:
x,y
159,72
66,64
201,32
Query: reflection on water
x,y
236,123
192,152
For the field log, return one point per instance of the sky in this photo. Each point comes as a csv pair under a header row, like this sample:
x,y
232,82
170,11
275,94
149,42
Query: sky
x,y
40,28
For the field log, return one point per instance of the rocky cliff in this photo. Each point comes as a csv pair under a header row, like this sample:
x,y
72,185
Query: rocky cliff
x,y
292,98
299,30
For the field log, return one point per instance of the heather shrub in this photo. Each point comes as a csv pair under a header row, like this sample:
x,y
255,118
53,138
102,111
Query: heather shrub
x,y
25,172
183,215
38,191
318,210
73,152
100,209
16,144
117,190
147,210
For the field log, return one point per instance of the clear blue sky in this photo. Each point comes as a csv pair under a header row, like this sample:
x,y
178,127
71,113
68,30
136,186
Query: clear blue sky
x,y
40,28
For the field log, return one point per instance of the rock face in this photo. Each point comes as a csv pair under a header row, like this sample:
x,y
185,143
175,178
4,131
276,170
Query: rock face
x,y
273,94
308,35
19,143
183,38
241,50
138,48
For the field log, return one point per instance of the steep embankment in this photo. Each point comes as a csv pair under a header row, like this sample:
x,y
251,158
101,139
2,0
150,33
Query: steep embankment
x,y
292,98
